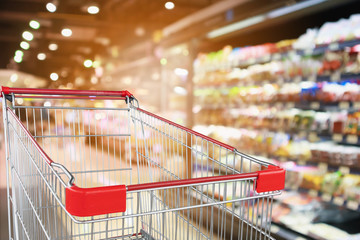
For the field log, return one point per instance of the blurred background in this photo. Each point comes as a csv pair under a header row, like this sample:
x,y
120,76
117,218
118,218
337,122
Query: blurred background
x,y
277,79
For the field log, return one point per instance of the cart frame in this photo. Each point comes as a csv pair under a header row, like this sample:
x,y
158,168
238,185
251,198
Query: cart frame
x,y
81,204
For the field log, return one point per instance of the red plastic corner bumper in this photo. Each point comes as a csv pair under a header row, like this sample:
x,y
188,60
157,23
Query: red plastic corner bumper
x,y
84,202
272,179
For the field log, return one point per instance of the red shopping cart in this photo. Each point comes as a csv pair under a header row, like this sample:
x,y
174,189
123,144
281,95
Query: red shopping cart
x,y
116,171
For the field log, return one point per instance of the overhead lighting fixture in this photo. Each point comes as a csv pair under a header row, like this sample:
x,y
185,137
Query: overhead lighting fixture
x,y
19,53
163,61
88,63
169,5
180,90
18,58
236,26
66,32
24,45
139,31
28,36
261,18
94,80
93,9
181,72
54,76
51,7
14,77
41,56
53,46
293,8
34,24
96,63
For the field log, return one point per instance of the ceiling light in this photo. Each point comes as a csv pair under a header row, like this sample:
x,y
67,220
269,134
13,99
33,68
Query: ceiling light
x,y
93,9
18,58
88,63
41,56
293,8
169,5
139,31
51,7
96,63
34,24
14,77
236,26
180,90
181,72
66,32
94,80
24,45
163,61
53,46
54,76
19,53
47,104
28,35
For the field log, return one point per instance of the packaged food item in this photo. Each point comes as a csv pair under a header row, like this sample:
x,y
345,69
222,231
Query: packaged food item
x,y
331,182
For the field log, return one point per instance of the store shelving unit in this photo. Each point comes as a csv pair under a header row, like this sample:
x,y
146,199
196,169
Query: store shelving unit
x,y
339,105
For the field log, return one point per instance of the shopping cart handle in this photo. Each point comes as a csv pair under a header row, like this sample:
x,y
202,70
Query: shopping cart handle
x,y
84,202
42,91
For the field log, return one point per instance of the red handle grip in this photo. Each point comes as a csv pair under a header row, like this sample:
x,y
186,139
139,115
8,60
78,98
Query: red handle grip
x,y
42,91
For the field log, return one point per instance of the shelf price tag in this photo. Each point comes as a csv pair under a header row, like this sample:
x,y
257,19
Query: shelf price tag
x,y
315,105
276,56
266,58
274,229
313,137
313,193
326,197
344,105
290,105
302,162
344,170
312,78
302,134
352,139
338,201
323,167
336,76
291,53
334,46
308,51
280,81
297,79
356,105
251,61
337,137
279,105
352,205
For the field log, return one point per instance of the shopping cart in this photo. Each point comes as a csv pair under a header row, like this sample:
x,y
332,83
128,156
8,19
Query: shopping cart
x,y
76,171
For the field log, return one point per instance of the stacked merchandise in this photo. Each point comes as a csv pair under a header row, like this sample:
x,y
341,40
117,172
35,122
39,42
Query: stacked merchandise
x,y
296,103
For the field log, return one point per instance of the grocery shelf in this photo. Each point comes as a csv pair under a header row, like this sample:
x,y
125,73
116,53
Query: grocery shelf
x,y
338,200
318,50
347,139
281,232
335,77
304,105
